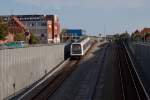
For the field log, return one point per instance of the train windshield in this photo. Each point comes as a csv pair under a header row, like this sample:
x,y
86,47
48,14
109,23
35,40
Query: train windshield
x,y
76,48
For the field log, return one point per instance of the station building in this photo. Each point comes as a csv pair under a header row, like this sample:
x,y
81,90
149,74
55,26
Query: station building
x,y
45,27
73,34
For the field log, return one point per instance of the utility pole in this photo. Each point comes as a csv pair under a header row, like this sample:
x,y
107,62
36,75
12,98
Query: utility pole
x,y
105,31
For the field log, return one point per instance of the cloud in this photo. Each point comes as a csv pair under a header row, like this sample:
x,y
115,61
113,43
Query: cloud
x,y
87,3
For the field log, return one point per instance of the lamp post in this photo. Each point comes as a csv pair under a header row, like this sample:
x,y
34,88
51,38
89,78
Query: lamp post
x,y
144,37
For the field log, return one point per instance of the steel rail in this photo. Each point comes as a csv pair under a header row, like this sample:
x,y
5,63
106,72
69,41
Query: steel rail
x,y
62,77
121,77
99,73
137,92
48,76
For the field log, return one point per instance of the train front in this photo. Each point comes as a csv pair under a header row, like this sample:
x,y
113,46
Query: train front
x,y
76,50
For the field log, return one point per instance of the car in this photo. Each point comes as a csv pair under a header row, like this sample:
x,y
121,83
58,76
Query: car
x,y
16,44
11,45
3,46
22,44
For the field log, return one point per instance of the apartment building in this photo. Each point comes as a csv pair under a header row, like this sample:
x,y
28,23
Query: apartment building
x,y
45,27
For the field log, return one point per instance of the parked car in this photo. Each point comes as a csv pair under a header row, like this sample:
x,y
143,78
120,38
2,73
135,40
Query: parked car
x,y
22,44
3,46
17,44
11,45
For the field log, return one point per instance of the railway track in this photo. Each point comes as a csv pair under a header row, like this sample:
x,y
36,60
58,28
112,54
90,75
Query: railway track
x,y
131,85
82,83
48,86
56,80
96,90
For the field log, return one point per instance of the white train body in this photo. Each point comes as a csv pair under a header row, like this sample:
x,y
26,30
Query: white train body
x,y
80,48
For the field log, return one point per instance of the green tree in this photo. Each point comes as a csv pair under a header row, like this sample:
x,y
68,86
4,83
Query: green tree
x,y
125,35
146,35
3,29
2,36
63,31
116,37
33,39
136,36
20,37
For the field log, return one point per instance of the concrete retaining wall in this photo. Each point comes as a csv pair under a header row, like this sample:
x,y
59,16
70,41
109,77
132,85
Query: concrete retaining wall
x,y
21,67
142,53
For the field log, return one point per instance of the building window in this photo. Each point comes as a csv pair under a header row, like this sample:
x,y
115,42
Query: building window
x,y
55,27
31,24
50,26
43,24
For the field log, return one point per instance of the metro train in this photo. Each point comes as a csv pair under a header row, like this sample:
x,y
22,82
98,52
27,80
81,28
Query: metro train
x,y
80,48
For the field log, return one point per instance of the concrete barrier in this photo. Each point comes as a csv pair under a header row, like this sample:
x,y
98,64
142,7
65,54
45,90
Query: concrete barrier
x,y
19,68
141,52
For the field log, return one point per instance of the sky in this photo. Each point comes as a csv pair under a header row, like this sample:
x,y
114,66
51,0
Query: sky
x,y
94,16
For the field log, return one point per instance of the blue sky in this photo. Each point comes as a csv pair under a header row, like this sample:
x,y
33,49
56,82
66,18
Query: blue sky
x,y
95,16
